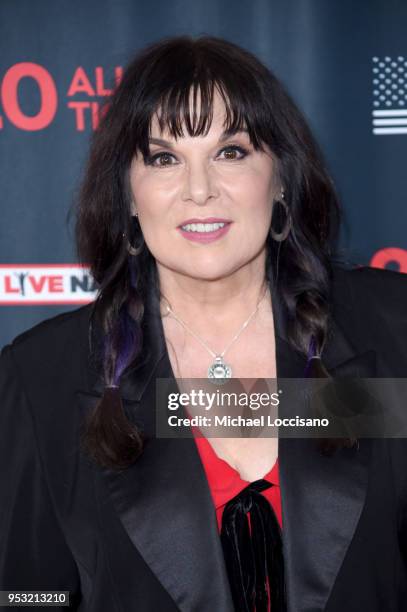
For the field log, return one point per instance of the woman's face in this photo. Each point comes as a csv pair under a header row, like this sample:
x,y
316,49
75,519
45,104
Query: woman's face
x,y
208,180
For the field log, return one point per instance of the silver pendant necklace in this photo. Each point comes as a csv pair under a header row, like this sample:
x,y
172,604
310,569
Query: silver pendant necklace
x,y
219,371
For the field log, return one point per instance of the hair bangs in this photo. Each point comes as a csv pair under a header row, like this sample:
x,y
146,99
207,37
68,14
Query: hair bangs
x,y
187,104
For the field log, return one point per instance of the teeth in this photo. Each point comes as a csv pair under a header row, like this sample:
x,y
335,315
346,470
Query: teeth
x,y
202,227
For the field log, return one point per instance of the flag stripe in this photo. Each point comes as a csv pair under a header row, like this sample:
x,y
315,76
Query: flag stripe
x,y
390,113
390,121
390,130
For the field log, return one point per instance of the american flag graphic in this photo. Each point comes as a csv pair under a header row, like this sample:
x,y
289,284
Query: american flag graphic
x,y
390,95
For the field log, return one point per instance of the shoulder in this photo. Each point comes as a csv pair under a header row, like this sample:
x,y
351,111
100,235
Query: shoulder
x,y
61,326
375,289
55,333
50,350
370,305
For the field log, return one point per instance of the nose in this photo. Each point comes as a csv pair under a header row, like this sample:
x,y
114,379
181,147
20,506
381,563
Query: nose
x,y
200,184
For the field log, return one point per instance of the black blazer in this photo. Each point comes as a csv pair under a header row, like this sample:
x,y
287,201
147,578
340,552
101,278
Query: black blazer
x,y
146,539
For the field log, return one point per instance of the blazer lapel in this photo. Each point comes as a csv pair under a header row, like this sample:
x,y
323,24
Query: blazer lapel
x,y
322,497
164,502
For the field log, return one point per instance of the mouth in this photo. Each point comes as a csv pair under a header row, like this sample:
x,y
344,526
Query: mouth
x,y
204,232
203,227
200,225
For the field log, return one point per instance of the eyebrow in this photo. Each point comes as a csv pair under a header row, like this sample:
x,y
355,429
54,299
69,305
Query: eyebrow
x,y
226,134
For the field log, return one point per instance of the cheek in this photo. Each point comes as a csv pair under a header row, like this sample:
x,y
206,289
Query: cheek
x,y
153,206
255,201
256,216
140,187
150,200
253,185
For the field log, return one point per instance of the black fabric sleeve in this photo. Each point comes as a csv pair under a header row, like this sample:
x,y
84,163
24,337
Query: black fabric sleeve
x,y
33,552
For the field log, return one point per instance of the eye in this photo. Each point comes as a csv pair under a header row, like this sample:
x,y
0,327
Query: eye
x,y
159,156
232,149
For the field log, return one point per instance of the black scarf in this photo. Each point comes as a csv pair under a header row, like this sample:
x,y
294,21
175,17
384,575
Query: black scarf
x,y
253,558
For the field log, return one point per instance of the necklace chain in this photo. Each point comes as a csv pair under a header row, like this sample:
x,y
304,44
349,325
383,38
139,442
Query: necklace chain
x,y
219,369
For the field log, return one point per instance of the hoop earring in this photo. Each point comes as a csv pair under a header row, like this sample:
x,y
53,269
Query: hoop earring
x,y
130,248
280,236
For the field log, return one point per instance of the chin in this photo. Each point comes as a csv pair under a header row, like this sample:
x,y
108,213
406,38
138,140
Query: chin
x,y
210,273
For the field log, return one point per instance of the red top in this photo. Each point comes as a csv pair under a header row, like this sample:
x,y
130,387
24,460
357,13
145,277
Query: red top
x,y
225,482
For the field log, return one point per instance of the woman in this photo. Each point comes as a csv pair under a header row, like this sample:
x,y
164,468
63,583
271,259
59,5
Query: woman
x,y
208,220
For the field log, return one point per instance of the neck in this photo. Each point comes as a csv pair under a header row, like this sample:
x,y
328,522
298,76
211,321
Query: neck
x,y
220,301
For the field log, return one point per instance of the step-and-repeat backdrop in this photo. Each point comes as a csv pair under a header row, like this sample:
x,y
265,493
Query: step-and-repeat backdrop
x,y
344,62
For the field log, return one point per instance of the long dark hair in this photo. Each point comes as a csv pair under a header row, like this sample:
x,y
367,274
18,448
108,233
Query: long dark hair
x,y
161,77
